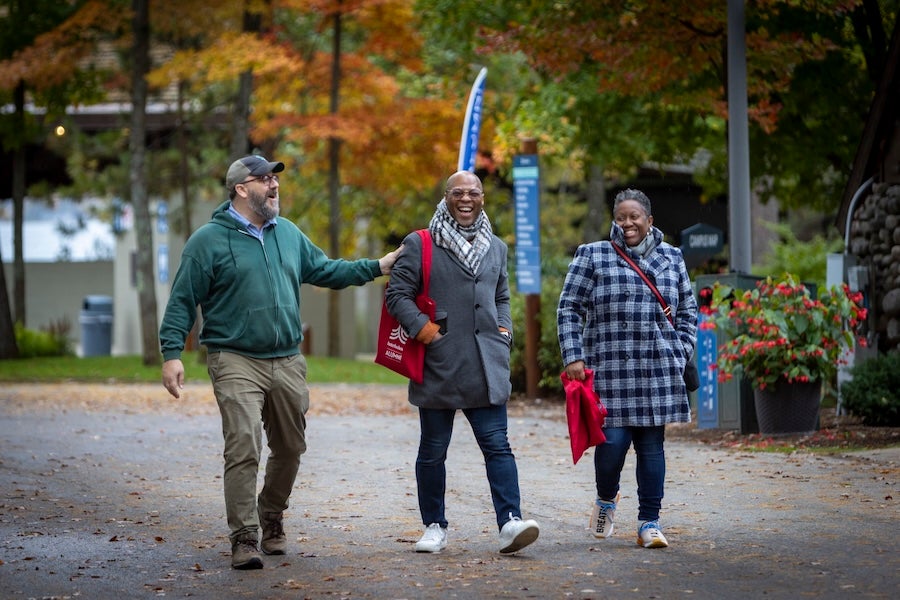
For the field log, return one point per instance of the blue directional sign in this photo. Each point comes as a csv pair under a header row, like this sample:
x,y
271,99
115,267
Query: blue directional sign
x,y
526,187
162,262
708,393
162,217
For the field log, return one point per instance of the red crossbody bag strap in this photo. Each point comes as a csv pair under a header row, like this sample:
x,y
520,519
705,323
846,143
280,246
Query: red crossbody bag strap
x,y
666,310
426,258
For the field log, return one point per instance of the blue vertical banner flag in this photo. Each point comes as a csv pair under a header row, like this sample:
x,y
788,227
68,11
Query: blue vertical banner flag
x,y
468,145
526,188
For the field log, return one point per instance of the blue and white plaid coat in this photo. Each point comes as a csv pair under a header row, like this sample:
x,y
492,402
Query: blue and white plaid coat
x,y
609,318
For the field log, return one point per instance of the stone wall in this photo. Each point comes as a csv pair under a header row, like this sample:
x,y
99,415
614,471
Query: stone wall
x,y
875,241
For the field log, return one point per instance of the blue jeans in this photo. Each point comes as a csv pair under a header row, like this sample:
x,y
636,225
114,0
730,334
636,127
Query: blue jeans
x,y
489,426
609,458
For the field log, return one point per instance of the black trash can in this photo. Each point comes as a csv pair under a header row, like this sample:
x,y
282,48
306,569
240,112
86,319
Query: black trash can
x,y
96,326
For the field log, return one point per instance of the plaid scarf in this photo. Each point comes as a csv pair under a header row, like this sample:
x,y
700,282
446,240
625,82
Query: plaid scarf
x,y
469,244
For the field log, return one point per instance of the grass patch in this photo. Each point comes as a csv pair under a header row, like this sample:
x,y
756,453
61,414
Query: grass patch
x,y
130,369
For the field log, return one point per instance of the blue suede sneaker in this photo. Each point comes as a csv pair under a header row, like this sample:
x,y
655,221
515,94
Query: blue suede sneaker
x,y
649,535
602,517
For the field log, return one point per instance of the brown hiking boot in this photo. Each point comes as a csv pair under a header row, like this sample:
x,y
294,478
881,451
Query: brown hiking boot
x,y
273,538
245,554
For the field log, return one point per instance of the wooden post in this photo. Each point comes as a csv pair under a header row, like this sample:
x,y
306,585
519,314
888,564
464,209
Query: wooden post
x,y
532,317
532,341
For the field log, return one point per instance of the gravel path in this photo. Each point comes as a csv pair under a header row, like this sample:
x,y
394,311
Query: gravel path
x,y
115,492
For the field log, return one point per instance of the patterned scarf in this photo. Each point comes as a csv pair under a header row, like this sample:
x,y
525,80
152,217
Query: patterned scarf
x,y
644,247
469,244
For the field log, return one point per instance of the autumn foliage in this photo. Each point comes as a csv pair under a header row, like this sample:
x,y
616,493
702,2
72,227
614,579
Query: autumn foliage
x,y
676,51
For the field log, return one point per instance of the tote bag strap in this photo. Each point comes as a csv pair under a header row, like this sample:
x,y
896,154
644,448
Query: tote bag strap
x,y
666,309
426,259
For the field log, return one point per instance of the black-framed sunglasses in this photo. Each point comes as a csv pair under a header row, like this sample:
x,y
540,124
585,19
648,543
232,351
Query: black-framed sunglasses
x,y
459,194
265,179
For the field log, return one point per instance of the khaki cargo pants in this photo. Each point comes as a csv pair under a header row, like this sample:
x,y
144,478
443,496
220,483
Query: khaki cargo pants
x,y
253,394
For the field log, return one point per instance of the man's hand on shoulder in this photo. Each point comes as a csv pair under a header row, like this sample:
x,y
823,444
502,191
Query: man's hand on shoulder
x,y
173,376
386,262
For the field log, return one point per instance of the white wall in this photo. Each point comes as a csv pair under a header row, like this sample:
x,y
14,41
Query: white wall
x,y
56,291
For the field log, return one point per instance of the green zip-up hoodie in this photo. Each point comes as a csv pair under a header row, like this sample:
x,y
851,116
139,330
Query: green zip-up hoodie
x,y
249,291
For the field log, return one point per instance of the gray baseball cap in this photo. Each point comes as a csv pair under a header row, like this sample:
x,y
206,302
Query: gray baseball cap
x,y
250,166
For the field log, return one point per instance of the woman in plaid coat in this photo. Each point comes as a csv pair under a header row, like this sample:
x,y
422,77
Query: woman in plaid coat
x,y
611,322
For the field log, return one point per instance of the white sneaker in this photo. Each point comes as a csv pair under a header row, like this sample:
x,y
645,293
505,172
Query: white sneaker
x,y
651,536
602,517
516,534
433,540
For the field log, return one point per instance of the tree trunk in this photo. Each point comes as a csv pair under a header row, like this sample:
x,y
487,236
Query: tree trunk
x,y
334,223
183,163
596,203
18,193
240,124
8,347
868,26
143,228
187,201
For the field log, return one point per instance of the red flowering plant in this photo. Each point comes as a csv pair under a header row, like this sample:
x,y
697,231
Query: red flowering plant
x,y
778,331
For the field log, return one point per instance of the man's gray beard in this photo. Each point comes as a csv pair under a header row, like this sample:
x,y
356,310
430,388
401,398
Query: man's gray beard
x,y
262,208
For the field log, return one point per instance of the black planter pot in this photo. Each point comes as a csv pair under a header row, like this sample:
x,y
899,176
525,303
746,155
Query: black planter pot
x,y
788,407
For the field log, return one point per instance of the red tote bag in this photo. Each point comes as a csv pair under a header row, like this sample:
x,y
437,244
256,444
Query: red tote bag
x,y
585,414
396,350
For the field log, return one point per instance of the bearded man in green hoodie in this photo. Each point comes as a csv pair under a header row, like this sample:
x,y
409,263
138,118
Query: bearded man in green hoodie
x,y
244,269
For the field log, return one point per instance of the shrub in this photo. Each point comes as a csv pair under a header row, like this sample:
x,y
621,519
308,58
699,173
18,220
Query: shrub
x,y
806,260
52,341
548,356
874,392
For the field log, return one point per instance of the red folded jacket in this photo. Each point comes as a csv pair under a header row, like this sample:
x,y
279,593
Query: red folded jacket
x,y
585,414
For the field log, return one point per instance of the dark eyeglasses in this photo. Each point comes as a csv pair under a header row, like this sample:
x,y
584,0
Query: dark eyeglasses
x,y
265,179
458,194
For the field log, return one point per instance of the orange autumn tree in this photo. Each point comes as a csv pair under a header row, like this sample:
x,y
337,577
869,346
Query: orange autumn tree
x,y
399,131
338,95
353,117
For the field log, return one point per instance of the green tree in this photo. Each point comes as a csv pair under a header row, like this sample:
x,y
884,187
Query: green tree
x,y
671,57
43,50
